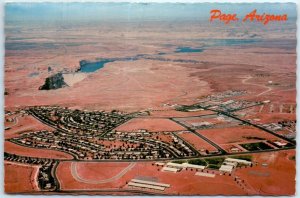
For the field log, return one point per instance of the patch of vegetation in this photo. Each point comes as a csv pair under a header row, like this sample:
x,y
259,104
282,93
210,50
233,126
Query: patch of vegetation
x,y
292,158
197,162
182,108
253,138
213,166
179,161
257,146
288,145
215,161
242,157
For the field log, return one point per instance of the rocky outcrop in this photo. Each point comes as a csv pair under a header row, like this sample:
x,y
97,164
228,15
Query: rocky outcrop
x,y
55,81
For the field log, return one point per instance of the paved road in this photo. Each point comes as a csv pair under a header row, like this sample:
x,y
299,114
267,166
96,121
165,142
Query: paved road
x,y
257,126
201,136
223,152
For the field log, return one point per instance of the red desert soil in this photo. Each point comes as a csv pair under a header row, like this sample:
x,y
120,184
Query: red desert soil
x,y
182,183
196,141
276,178
273,117
119,85
20,178
32,152
68,182
90,170
174,113
235,134
151,124
24,124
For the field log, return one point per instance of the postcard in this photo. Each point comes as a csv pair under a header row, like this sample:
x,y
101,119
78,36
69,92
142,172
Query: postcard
x,y
124,98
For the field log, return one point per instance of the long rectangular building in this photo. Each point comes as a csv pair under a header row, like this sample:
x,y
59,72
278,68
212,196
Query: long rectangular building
x,y
240,161
193,166
160,163
226,168
150,183
205,174
170,169
184,165
146,186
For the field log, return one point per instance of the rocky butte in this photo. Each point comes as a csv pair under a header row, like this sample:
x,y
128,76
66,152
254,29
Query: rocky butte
x,y
54,81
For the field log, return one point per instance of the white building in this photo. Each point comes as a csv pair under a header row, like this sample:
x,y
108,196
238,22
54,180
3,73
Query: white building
x,y
170,169
226,168
205,174
184,165
239,161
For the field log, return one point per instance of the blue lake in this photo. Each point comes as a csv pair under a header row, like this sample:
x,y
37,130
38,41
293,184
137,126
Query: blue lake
x,y
229,42
214,43
188,50
93,66
89,67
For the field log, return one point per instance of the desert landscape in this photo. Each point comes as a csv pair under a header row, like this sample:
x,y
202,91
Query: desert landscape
x,y
122,100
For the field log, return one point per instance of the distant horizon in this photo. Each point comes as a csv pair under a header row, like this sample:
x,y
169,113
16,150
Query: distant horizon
x,y
127,12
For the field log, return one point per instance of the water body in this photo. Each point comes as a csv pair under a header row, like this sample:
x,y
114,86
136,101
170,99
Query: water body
x,y
228,42
188,50
89,67
215,43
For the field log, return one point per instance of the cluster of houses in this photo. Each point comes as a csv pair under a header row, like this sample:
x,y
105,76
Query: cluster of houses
x,y
114,145
27,160
88,122
45,178
78,146
289,126
92,121
225,105
234,105
225,94
173,148
221,102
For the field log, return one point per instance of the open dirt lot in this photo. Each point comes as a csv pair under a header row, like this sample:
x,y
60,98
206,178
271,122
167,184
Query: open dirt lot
x,y
196,142
240,134
34,152
20,178
150,124
277,177
23,124
182,183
